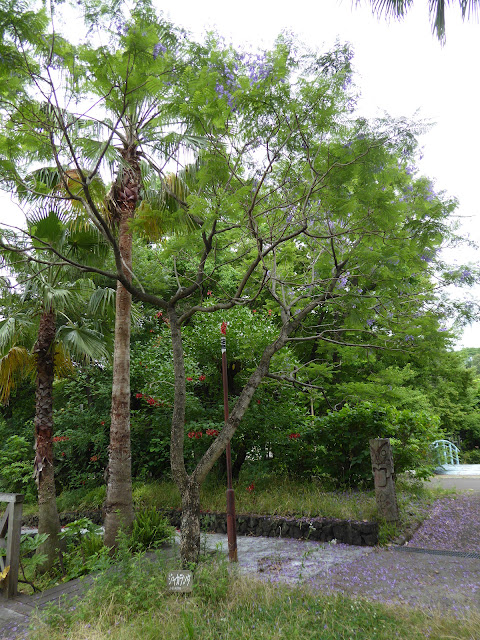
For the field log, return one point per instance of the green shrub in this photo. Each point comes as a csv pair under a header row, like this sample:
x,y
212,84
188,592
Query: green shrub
x,y
16,457
471,457
85,551
150,530
337,445
78,499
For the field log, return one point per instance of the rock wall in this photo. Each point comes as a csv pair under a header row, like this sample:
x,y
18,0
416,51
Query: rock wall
x,y
320,529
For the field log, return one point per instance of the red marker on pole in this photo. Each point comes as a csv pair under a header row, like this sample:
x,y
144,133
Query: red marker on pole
x,y
231,524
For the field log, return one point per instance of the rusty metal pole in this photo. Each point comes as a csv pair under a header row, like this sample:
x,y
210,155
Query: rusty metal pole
x,y
231,524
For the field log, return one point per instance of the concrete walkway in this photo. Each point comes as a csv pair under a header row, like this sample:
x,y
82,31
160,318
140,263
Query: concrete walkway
x,y
458,482
460,470
430,579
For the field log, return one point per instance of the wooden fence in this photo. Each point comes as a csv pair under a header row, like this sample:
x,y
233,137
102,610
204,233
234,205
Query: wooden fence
x,y
10,532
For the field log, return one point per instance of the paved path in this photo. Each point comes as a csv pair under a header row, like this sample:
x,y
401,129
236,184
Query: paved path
x,y
15,613
460,483
460,470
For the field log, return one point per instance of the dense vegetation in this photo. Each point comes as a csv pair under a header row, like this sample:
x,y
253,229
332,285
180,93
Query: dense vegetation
x,y
214,187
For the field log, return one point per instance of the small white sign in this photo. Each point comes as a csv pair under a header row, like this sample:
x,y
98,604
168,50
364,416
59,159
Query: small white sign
x,y
181,581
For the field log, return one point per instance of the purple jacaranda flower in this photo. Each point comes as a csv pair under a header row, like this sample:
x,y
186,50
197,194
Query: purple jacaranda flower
x,y
158,49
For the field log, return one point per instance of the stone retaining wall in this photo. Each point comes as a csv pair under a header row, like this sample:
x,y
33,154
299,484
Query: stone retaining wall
x,y
321,529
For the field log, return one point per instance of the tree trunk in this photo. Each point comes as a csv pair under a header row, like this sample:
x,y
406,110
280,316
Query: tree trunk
x,y
189,485
48,520
190,525
241,456
119,500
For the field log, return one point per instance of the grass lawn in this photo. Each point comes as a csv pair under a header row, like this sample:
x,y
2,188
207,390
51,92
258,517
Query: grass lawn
x,y
134,603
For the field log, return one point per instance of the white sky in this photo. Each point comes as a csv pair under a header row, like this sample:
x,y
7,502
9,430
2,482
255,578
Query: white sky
x,y
401,69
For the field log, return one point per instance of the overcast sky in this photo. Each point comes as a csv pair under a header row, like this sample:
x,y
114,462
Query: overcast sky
x,y
401,69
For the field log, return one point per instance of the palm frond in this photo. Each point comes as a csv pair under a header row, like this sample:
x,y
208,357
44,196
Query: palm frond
x,y
102,302
64,366
50,191
58,297
17,363
82,343
14,329
48,226
393,8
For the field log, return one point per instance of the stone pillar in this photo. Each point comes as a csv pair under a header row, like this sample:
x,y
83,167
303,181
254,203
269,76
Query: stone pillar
x,y
384,475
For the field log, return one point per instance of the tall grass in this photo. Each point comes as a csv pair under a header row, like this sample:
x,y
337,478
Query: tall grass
x,y
134,603
274,495
279,496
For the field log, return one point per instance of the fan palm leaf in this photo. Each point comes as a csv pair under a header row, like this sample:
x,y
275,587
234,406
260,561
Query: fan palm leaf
x,y
399,8
17,363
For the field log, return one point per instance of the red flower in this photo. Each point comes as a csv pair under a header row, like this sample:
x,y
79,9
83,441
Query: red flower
x,y
223,328
251,488
102,422
201,378
294,436
259,402
139,395
159,314
151,330
209,293
191,434
189,379
254,311
151,401
212,432
93,458
63,453
269,312
198,434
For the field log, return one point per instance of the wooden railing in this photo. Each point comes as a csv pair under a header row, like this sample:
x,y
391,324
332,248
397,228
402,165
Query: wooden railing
x,y
10,532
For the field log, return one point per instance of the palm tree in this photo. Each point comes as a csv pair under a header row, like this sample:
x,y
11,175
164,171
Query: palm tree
x,y
146,138
39,338
141,85
399,8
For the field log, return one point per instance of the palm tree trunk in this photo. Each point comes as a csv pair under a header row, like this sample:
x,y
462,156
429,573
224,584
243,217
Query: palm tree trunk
x,y
48,520
119,512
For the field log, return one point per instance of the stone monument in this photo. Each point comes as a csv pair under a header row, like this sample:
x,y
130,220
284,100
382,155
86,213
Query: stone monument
x,y
384,475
